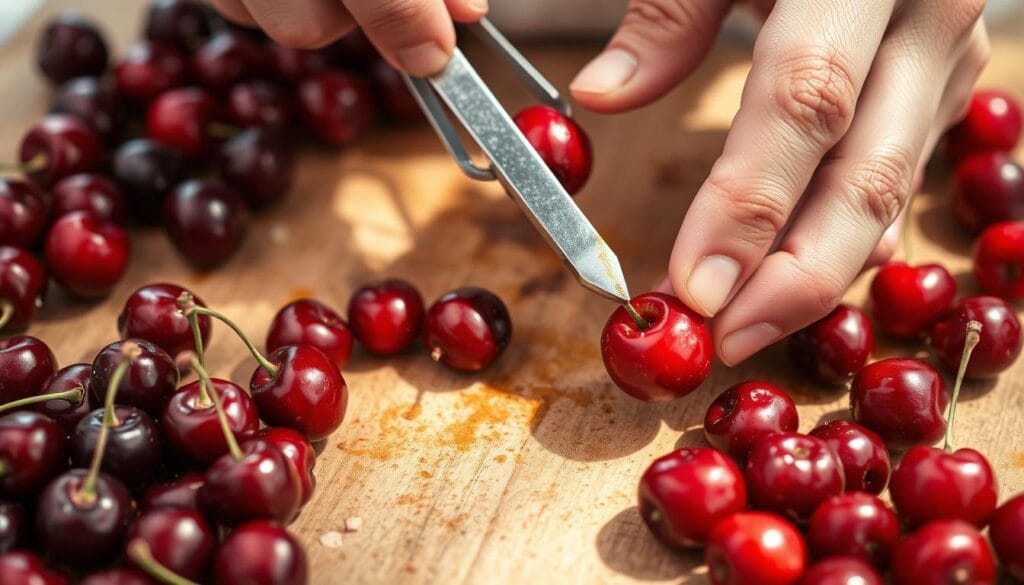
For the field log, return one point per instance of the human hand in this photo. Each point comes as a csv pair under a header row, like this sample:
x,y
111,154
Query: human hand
x,y
843,105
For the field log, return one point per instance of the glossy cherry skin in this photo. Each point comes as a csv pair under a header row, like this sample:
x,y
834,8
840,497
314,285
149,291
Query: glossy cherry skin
x,y
260,104
682,495
746,413
33,450
300,454
22,284
993,122
1006,531
291,66
854,524
180,493
1000,342
94,102
26,363
866,461
150,380
182,23
307,393
386,316
83,534
755,547
337,107
67,413
906,300
561,143
840,571
790,474
23,213
467,329
132,453
943,552
902,400
999,260
182,118
258,164
14,529
225,59
97,194
146,171
930,484
66,144
152,313
262,485
118,576
87,255
206,221
389,88
148,69
22,567
192,428
988,188
310,322
832,349
260,552
71,46
178,538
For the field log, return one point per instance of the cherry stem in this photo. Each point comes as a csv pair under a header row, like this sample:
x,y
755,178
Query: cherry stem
x,y
640,322
186,300
32,165
222,130
225,426
6,312
970,341
76,394
140,554
262,359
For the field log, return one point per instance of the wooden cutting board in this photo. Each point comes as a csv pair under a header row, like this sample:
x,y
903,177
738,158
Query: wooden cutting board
x,y
527,472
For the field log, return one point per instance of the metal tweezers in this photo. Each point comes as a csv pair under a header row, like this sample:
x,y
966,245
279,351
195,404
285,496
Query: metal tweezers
x,y
514,162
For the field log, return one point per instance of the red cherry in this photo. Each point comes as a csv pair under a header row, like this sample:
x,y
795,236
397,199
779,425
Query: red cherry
x,y
685,493
132,451
148,69
118,576
87,255
146,172
467,329
57,146
391,92
300,454
262,484
94,102
182,23
943,552
306,392
151,313
746,413
666,360
260,104
832,349
906,300
337,107
840,571
755,547
258,164
26,363
999,260
386,316
226,59
71,46
182,118
90,192
561,143
21,567
206,221
310,322
903,400
179,493
988,188
150,380
191,426
1007,534
177,538
291,66
856,525
930,484
33,450
1000,343
14,531
866,461
993,122
790,474
22,287
23,213
260,552
67,411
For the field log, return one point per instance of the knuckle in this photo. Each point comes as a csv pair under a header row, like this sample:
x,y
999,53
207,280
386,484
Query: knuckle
x,y
663,18
964,13
816,92
760,213
824,288
881,184
393,16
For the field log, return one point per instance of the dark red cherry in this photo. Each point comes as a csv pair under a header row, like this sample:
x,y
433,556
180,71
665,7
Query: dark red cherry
x,y
993,122
97,194
903,400
291,66
181,492
943,552
178,538
906,300
118,576
856,525
191,426
60,145
225,59
133,445
467,329
71,46
667,359
26,363
94,102
151,313
386,316
148,69
67,411
260,552
182,23
185,118
866,461
14,531
262,485
206,221
999,260
86,254
33,450
146,171
306,392
746,413
23,213
337,107
352,51
300,454
988,188
930,484
840,571
832,349
1000,342
258,164
755,547
310,322
1007,534
561,143
260,104
391,92
22,287
682,495
150,380
790,474
22,567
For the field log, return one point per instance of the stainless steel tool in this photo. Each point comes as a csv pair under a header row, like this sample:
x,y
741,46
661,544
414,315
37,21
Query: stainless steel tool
x,y
514,162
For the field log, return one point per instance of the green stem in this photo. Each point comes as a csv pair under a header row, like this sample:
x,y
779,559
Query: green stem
x,y
225,426
6,312
640,322
970,341
197,335
222,130
76,394
32,165
141,555
263,361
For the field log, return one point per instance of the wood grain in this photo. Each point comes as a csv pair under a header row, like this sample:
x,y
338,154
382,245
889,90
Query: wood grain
x,y
527,472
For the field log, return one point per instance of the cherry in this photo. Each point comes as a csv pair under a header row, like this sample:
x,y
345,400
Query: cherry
x,y
746,413
148,69
906,300
1007,534
854,524
178,538
656,348
943,552
22,287
300,454
256,482
94,102
22,567
840,571
151,313
866,461
260,104
391,92
71,46
23,213
685,493
310,322
132,449
181,493
260,552
755,547
225,59
561,143
353,51
291,66
57,146
185,118
150,380
146,172
790,474
13,526
337,107
192,428
1000,342
258,165
993,122
832,349
386,316
118,576
467,329
988,188
71,383
903,400
182,23
33,450
999,260
206,221
26,363
303,390
86,254
930,484
90,192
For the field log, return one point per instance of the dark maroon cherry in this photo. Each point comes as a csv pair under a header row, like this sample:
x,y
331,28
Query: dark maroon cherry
x,y
191,426
856,525
60,145
291,66
755,547
1007,534
386,316
467,329
22,567
185,118
225,59
354,51
930,484
988,188
791,474
337,107
87,255
866,461
182,23
178,538
33,450
26,362
682,495
906,300
259,483
97,194
993,122
133,445
304,391
300,454
258,164
146,172
260,552
391,92
67,411
14,530
832,349
206,221
151,313
181,492
118,576
561,143
1000,343
94,102
746,413
943,552
310,322
260,104
23,213
840,571
22,288
148,69
150,380
71,46
903,400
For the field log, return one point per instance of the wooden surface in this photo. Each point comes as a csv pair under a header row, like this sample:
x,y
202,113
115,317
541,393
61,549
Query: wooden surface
x,y
525,473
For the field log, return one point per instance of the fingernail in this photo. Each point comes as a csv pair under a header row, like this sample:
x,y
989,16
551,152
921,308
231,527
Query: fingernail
x,y
711,281
478,6
423,59
607,72
739,345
